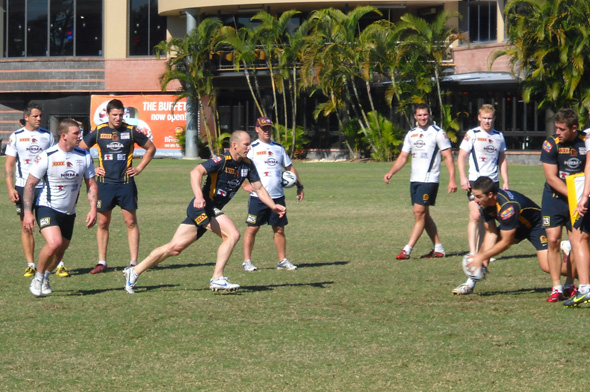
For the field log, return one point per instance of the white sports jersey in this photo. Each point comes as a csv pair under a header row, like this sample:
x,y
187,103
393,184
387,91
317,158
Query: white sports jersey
x,y
269,159
425,147
483,149
63,173
25,146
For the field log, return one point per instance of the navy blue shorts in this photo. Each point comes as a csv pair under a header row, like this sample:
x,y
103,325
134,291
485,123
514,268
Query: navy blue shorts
x,y
19,204
200,217
260,214
535,235
423,193
111,195
47,217
556,211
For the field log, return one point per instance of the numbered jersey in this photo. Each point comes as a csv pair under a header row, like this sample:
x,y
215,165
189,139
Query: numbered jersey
x,y
62,173
269,159
484,150
25,146
425,145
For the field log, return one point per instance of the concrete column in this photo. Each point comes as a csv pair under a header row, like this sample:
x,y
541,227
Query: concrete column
x,y
192,119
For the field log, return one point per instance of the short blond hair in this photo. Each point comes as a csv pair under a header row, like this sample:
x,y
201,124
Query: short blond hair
x,y
487,108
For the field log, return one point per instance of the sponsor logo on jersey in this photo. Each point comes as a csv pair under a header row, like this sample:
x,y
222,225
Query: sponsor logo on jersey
x,y
490,149
125,136
108,157
79,162
201,218
99,204
115,146
507,213
260,152
251,218
244,173
564,150
419,144
106,136
121,157
37,158
69,174
482,139
221,192
582,150
27,161
44,221
234,183
547,146
230,170
58,163
271,162
216,159
266,174
546,221
466,138
573,163
24,139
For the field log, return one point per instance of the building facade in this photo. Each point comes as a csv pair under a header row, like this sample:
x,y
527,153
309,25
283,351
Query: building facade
x,y
59,53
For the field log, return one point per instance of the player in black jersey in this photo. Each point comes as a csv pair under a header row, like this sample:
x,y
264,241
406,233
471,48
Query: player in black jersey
x,y
225,174
116,142
562,155
518,218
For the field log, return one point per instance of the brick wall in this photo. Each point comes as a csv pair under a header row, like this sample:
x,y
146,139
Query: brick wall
x,y
475,58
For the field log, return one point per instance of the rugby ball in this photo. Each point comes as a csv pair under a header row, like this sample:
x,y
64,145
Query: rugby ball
x,y
474,273
289,179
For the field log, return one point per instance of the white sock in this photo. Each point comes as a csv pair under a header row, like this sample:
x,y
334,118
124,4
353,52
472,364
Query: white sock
x,y
584,288
470,282
31,265
439,248
103,262
408,249
61,264
46,274
558,288
133,263
39,276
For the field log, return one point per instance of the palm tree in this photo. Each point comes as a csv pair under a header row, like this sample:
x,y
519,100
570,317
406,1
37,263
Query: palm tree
x,y
190,64
550,50
430,42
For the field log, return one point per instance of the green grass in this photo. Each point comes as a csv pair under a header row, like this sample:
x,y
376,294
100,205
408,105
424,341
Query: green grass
x,y
352,318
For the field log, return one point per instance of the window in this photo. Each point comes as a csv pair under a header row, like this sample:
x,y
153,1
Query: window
x,y
146,27
53,28
479,20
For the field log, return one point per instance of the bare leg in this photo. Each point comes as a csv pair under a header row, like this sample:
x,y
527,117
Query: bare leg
x,y
420,213
130,218
249,240
28,241
554,254
102,233
280,241
227,230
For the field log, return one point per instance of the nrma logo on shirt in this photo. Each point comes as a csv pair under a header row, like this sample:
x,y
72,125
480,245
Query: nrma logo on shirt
x,y
115,146
70,174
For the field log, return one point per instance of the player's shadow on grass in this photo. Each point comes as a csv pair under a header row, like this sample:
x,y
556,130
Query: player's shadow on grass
x,y
83,271
530,256
319,285
308,265
121,289
515,292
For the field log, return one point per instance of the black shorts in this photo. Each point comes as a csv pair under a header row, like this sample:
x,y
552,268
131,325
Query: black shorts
x,y
47,217
423,193
112,194
200,217
536,236
556,211
19,204
260,214
470,196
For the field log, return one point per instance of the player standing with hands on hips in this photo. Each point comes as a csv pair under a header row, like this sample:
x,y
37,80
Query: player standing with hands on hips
x,y
426,144
63,167
116,141
269,158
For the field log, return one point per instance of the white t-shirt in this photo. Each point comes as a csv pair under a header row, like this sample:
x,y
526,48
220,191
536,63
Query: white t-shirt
x,y
25,146
269,159
483,149
425,145
63,173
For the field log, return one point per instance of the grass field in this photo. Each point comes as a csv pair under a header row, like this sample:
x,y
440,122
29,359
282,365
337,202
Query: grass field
x,y
351,318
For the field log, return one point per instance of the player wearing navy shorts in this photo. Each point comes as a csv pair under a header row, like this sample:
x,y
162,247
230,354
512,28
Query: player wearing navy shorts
x,y
562,155
484,146
426,144
518,218
116,142
270,158
63,167
23,146
225,174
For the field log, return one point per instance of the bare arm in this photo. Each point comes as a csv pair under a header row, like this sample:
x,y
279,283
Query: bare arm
x,y
461,164
266,199
197,175
401,160
300,193
9,175
150,151
448,156
503,165
28,197
582,207
551,175
92,190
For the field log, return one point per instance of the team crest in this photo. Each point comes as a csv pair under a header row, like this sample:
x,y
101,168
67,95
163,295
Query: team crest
x,y
44,222
507,213
251,218
547,146
543,239
115,137
425,197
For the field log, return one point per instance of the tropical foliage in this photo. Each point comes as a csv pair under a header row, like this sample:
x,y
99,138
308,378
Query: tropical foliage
x,y
550,51
333,57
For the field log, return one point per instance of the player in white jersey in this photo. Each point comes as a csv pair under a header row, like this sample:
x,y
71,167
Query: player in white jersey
x,y
269,158
23,146
485,148
63,167
426,144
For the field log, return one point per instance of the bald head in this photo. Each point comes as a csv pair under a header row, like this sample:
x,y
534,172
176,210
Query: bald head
x,y
238,136
240,144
